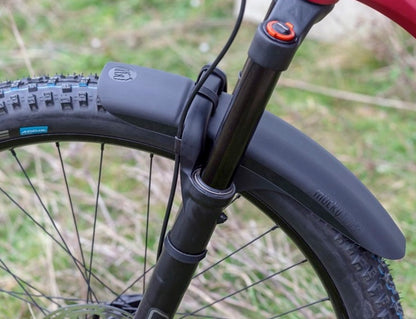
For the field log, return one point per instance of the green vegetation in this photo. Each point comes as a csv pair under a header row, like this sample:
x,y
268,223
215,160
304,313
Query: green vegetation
x,y
376,142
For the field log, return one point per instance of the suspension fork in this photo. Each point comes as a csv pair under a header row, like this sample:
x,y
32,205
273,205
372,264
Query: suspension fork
x,y
207,191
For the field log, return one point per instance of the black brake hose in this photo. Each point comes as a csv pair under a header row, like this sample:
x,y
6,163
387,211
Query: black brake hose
x,y
188,104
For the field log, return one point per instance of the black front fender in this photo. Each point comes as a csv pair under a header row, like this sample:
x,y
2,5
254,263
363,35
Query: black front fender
x,y
279,158
290,162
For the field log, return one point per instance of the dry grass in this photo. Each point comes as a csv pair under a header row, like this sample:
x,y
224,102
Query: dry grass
x,y
120,237
395,46
378,144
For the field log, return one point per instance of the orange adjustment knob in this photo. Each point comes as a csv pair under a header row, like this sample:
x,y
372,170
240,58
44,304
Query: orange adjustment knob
x,y
281,31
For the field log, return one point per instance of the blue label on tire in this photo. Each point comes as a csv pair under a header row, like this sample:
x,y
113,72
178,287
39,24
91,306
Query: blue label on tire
x,y
33,130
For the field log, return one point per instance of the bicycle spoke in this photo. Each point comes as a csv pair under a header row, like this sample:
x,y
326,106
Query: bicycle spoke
x,y
86,272
245,288
202,316
133,283
300,308
63,244
100,170
169,205
20,283
71,206
38,224
40,295
21,296
236,251
45,209
53,299
147,222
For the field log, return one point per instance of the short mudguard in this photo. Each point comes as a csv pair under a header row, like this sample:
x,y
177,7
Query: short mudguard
x,y
278,159
306,172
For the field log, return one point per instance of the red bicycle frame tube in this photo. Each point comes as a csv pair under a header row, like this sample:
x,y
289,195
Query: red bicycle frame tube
x,y
402,12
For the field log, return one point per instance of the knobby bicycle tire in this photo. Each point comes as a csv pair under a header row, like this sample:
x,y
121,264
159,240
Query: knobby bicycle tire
x,y
66,108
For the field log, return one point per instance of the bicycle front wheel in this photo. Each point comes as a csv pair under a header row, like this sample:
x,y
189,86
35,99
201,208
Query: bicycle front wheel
x,y
82,197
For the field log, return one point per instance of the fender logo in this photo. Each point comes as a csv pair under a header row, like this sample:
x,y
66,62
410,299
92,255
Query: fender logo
x,y
122,74
336,211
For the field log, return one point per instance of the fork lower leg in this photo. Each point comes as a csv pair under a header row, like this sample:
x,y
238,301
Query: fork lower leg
x,y
185,246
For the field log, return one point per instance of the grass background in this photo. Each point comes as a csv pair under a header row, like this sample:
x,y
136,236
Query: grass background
x,y
376,139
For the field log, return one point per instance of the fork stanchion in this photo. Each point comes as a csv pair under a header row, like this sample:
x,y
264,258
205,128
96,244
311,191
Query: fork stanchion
x,y
247,106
